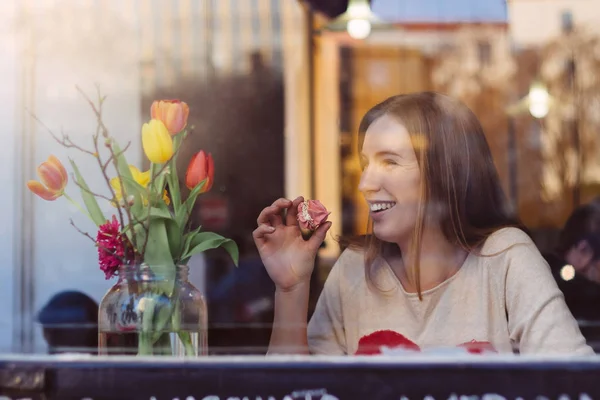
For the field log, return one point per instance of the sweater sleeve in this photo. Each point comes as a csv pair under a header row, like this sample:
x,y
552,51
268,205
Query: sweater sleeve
x,y
326,333
539,320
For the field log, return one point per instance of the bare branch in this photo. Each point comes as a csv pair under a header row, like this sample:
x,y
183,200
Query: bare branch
x,y
100,127
113,156
87,235
97,111
89,191
65,141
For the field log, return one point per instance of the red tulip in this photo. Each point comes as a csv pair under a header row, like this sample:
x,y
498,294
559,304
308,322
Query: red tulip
x,y
201,167
173,113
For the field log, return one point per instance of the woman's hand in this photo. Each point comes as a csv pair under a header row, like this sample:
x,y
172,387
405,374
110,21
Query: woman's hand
x,y
288,258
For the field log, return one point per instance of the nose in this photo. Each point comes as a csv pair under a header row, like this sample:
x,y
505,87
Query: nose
x,y
369,182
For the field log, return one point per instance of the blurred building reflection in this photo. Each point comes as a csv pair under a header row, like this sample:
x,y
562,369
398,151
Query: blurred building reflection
x,y
187,39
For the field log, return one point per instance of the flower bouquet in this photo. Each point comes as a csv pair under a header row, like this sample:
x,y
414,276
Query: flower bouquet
x,y
147,242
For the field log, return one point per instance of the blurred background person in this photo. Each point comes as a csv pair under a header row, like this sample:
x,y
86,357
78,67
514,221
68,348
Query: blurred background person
x,y
575,265
70,323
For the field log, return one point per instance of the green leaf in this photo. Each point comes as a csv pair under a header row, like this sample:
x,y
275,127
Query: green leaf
x,y
180,217
161,318
174,234
157,313
184,212
175,238
131,183
157,254
161,212
208,240
88,198
138,191
131,186
140,234
187,241
157,183
191,199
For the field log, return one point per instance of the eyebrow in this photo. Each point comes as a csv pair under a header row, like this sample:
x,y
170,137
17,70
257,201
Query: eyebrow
x,y
380,154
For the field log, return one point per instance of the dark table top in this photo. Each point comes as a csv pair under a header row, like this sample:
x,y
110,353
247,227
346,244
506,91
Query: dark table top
x,y
278,377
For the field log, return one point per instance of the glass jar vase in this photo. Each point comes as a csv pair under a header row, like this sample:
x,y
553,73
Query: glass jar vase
x,y
152,313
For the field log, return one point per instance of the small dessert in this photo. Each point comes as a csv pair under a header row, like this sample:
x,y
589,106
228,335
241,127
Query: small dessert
x,y
311,214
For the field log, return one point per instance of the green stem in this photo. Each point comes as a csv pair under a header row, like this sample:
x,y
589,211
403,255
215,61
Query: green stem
x,y
173,177
183,336
157,181
186,339
173,182
145,336
152,177
144,344
76,204
163,345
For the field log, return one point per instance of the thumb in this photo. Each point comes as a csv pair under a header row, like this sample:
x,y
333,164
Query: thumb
x,y
318,236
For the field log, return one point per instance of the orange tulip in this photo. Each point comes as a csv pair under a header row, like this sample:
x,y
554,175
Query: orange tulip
x,y
201,167
54,180
173,113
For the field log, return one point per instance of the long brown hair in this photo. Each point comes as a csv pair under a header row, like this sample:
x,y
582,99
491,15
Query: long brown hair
x,y
457,172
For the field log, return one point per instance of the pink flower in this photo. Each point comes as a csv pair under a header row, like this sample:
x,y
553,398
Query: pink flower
x,y
112,247
311,214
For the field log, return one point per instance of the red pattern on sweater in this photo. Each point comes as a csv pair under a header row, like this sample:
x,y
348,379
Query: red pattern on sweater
x,y
371,344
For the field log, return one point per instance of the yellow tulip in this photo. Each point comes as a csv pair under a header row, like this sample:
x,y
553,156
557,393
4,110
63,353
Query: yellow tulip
x,y
157,142
166,198
142,178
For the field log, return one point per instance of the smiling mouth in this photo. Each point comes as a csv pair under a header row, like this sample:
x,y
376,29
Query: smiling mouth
x,y
381,206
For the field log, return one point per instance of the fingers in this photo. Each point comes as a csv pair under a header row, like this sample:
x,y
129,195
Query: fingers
x,y
292,213
262,231
272,214
318,236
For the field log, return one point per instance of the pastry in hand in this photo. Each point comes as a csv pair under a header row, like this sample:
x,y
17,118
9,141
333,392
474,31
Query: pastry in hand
x,y
311,214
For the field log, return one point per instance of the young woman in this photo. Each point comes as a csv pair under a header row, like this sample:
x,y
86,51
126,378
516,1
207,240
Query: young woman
x,y
445,265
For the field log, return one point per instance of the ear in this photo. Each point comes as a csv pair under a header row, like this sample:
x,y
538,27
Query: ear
x,y
580,255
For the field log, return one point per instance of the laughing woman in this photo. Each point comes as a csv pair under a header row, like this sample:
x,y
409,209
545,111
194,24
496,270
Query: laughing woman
x,y
445,265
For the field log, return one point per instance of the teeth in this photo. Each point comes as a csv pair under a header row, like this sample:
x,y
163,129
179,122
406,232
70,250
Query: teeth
x,y
381,206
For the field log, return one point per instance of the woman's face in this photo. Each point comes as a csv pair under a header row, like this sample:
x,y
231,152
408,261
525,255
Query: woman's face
x,y
390,179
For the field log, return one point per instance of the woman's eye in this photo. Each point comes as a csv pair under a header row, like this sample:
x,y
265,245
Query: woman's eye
x,y
388,162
